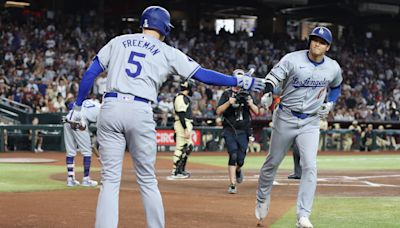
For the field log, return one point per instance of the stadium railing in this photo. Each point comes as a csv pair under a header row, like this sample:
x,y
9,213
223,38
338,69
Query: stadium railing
x,y
16,137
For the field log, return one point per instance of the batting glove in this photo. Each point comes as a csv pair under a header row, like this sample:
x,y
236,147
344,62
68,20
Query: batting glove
x,y
250,83
325,109
266,100
75,117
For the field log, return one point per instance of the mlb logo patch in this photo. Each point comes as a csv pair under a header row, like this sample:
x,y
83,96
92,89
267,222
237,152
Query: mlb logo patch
x,y
145,23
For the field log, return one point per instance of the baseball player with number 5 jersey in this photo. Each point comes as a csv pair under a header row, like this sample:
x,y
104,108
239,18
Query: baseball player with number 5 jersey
x,y
305,78
138,64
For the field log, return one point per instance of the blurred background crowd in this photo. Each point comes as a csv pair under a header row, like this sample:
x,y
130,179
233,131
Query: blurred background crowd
x,y
42,61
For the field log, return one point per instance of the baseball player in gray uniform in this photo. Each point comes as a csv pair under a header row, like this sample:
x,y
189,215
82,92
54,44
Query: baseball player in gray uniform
x,y
79,140
137,65
305,77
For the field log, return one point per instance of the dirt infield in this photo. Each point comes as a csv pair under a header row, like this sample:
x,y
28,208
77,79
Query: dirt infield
x,y
201,201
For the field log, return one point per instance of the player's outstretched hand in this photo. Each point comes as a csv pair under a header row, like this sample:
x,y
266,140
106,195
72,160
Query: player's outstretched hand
x,y
74,117
325,109
266,100
250,83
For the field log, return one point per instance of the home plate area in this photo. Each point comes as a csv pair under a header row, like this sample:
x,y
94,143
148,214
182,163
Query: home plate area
x,y
355,180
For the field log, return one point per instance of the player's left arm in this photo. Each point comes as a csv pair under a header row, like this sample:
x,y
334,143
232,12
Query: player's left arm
x,y
333,94
185,66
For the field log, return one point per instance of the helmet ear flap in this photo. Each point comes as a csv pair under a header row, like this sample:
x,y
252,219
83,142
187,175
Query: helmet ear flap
x,y
167,29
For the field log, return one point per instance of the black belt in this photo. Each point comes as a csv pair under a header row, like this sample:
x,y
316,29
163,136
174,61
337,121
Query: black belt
x,y
299,115
136,98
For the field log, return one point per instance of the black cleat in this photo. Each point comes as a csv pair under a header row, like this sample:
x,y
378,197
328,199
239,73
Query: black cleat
x,y
293,177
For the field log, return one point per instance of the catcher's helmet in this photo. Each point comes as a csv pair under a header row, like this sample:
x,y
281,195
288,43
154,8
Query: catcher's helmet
x,y
158,18
186,85
323,33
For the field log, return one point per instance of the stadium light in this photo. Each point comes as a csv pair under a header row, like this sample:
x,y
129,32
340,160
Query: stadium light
x,y
15,4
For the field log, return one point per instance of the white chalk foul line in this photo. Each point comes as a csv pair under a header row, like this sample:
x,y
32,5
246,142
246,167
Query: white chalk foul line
x,y
380,176
345,181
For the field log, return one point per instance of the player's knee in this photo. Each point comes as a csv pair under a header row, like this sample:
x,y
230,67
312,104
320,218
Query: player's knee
x,y
309,172
177,153
240,162
272,161
185,149
189,149
110,176
232,159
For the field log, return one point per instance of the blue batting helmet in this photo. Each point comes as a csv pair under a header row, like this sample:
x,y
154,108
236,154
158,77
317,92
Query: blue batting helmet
x,y
158,18
323,33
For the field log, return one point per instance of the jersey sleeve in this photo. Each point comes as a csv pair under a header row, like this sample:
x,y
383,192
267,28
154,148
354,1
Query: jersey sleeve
x,y
337,80
182,64
281,70
180,105
104,54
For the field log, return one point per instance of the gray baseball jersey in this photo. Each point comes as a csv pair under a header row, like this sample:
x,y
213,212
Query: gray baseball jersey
x,y
304,85
137,65
80,140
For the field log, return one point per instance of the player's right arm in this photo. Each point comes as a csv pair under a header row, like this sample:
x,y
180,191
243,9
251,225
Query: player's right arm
x,y
99,64
87,80
278,74
275,78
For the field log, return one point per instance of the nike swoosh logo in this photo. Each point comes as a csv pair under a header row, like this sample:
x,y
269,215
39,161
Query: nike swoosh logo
x,y
302,67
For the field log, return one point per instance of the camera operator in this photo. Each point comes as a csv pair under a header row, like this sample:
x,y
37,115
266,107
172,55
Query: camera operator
x,y
235,106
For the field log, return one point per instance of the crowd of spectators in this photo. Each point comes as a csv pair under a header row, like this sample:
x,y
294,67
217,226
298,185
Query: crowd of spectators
x,y
42,61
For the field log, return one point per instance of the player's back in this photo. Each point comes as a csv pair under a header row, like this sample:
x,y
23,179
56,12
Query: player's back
x,y
139,64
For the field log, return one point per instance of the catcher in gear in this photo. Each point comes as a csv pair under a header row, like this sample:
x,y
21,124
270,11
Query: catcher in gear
x,y
183,130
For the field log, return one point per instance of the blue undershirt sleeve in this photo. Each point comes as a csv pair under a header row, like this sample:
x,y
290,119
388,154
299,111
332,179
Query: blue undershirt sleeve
x,y
87,80
334,94
211,77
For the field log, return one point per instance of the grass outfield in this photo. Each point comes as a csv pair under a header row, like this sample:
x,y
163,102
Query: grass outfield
x,y
348,162
349,212
30,177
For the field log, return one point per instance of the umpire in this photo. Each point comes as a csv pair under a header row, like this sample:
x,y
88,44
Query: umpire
x,y
235,106
183,128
